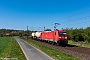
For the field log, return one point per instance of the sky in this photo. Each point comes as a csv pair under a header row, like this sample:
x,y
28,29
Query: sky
x,y
37,14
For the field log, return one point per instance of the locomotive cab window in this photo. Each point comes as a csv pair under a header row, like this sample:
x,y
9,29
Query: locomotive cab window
x,y
62,33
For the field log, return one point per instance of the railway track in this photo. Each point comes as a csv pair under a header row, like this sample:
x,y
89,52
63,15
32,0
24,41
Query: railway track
x,y
77,51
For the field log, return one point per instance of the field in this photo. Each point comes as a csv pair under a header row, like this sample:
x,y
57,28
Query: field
x,y
9,49
51,52
82,44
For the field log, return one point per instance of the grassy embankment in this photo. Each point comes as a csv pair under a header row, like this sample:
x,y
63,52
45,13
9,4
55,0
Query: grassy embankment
x,y
82,44
10,49
51,52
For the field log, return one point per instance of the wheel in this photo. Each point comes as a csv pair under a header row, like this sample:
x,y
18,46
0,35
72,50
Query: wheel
x,y
46,41
57,44
50,42
53,43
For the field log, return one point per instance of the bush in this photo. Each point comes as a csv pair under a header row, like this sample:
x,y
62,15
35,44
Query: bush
x,y
79,34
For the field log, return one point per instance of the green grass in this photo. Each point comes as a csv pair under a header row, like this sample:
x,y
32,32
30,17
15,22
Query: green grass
x,y
9,48
82,44
51,52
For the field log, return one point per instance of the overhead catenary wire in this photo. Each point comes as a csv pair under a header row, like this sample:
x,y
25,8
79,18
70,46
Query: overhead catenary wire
x,y
78,23
85,17
77,19
76,14
70,20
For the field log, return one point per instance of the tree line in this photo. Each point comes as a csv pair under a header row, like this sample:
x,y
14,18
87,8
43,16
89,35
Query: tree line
x,y
79,34
11,32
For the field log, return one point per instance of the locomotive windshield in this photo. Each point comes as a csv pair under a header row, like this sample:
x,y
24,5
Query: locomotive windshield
x,y
62,33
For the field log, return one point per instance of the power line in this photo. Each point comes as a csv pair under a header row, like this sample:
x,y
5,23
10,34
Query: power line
x,y
76,14
79,22
73,15
72,19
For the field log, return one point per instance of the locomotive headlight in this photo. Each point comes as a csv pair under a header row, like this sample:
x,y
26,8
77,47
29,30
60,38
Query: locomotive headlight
x,y
60,37
65,37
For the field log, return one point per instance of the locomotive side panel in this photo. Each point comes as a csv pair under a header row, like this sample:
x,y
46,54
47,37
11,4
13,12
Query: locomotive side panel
x,y
47,36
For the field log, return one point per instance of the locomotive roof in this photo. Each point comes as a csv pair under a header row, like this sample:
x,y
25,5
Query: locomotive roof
x,y
47,31
60,30
55,30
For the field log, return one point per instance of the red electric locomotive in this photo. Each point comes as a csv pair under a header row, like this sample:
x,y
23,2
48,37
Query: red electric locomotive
x,y
56,36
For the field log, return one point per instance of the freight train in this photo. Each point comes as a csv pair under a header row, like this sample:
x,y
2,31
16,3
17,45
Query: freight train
x,y
57,37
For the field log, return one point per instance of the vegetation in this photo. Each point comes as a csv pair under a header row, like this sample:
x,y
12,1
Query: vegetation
x,y
79,43
51,52
11,32
10,49
78,35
